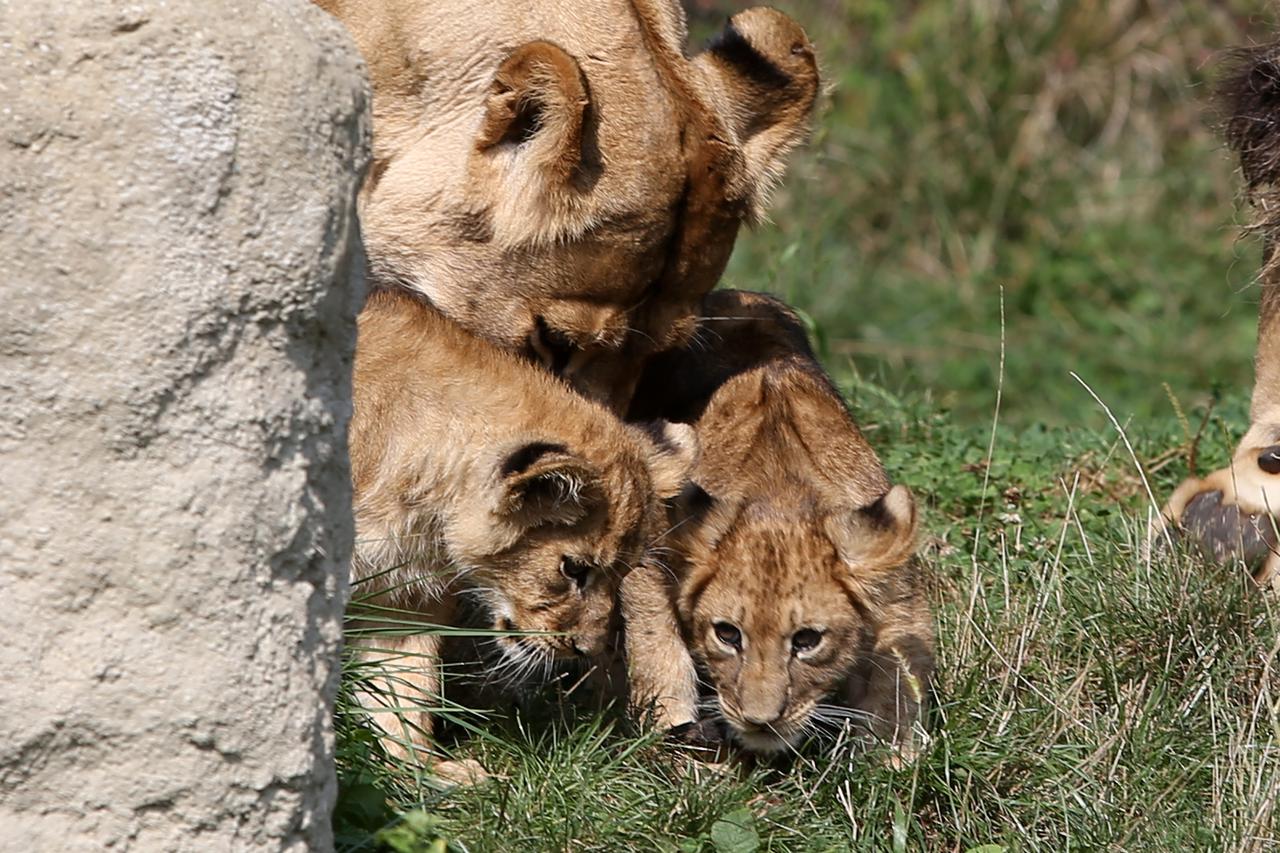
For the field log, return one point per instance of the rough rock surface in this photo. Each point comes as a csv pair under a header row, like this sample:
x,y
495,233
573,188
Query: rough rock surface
x,y
180,277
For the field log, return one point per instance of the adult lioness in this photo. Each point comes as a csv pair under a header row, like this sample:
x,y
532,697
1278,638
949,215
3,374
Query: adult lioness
x,y
792,582
478,474
559,177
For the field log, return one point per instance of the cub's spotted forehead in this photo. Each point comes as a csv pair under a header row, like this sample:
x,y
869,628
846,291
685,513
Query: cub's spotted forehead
x,y
774,574
780,553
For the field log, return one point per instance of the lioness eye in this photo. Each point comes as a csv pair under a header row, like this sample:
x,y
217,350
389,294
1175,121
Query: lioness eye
x,y
728,634
805,639
575,571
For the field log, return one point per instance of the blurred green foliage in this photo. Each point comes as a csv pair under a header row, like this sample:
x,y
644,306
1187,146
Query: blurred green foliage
x,y
1065,152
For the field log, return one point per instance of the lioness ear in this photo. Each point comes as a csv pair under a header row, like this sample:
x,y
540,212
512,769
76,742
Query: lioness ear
x,y
878,537
535,116
673,452
763,74
542,483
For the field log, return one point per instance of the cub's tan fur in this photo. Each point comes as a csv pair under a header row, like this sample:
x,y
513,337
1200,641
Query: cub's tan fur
x,y
793,580
477,473
559,177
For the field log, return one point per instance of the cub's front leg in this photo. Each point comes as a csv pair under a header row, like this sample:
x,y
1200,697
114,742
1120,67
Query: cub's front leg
x,y
400,698
662,681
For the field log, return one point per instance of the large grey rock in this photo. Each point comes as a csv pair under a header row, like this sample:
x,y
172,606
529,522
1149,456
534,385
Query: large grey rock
x,y
179,280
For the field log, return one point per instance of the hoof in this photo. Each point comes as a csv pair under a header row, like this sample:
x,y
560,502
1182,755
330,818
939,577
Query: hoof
x,y
460,774
1224,532
1231,514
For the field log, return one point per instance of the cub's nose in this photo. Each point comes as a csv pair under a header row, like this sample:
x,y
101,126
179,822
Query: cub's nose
x,y
761,720
762,711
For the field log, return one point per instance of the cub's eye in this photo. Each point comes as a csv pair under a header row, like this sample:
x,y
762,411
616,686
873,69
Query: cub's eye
x,y
576,571
728,634
806,639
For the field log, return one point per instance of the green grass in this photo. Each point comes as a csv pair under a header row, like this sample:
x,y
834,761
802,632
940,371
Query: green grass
x,y
1057,159
1087,698
1064,152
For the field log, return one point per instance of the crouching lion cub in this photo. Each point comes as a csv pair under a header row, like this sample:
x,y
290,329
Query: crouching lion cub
x,y
792,582
478,474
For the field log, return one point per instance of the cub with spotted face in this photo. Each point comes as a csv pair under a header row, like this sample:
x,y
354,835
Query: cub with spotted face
x,y
792,586
478,474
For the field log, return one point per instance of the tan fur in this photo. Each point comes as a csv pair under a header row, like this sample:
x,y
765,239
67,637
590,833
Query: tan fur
x,y
799,530
559,177
477,474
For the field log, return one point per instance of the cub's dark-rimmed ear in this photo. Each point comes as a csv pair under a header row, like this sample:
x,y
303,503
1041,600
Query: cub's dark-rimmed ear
x,y
764,80
545,483
533,133
879,537
672,454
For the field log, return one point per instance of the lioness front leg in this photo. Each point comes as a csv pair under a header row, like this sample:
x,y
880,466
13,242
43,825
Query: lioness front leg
x,y
662,681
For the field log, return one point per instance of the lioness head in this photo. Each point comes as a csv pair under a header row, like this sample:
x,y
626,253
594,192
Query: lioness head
x,y
547,547
778,610
560,178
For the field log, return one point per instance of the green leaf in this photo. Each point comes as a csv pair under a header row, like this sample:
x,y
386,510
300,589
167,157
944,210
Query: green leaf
x,y
735,832
417,832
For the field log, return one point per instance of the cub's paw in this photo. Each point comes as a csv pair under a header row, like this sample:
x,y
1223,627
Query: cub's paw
x,y
1232,514
704,741
699,734
460,774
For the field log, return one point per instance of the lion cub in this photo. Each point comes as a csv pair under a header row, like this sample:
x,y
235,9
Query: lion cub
x,y
792,585
480,475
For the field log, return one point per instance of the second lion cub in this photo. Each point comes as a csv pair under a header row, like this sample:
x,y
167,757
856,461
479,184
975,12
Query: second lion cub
x,y
792,585
481,477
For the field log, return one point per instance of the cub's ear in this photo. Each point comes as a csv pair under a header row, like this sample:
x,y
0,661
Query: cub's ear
x,y
764,78
536,114
673,451
878,537
541,483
